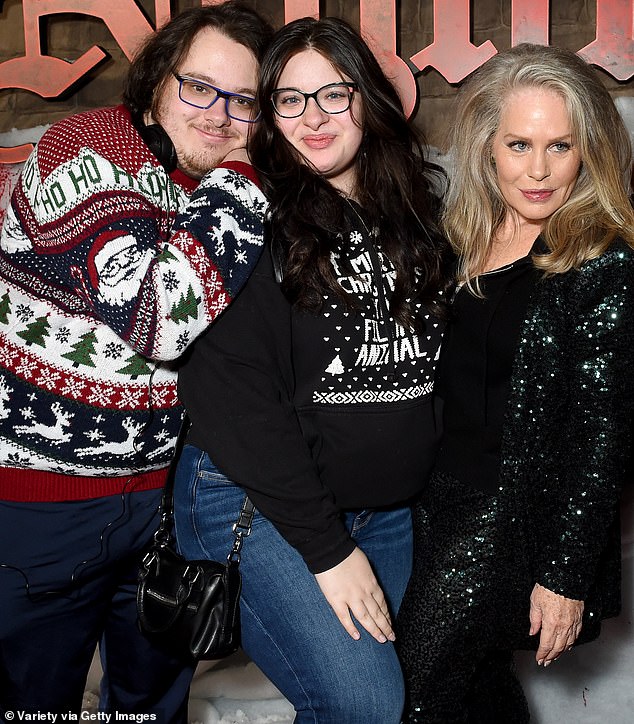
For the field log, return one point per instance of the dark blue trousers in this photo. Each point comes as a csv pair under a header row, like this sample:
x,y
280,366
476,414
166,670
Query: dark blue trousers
x,y
67,583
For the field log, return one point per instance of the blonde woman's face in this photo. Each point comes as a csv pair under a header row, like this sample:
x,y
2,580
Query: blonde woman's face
x,y
536,160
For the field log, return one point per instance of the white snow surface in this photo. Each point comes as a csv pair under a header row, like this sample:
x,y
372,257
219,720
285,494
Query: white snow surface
x,y
230,691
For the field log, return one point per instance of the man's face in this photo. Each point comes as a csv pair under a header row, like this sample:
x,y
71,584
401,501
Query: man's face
x,y
202,138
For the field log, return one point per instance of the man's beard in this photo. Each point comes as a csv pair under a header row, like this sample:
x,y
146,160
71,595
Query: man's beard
x,y
197,163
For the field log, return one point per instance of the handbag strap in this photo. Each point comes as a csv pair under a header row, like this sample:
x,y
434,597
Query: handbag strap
x,y
241,529
167,499
242,526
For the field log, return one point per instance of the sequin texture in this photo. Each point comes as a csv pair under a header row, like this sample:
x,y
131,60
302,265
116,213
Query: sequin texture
x,y
554,518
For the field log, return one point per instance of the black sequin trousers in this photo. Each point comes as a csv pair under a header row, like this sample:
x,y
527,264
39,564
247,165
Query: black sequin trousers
x,y
467,602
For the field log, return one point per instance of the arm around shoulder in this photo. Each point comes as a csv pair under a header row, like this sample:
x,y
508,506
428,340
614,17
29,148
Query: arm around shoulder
x,y
121,238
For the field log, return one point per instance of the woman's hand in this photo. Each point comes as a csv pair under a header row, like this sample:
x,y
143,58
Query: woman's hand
x,y
559,619
351,587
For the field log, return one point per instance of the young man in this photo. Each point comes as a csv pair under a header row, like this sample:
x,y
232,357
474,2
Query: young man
x,y
130,230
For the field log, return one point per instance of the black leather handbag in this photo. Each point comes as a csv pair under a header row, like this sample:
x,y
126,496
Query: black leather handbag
x,y
191,609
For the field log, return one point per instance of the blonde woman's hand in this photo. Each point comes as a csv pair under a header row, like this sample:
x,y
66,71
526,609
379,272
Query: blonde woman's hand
x,y
559,619
351,587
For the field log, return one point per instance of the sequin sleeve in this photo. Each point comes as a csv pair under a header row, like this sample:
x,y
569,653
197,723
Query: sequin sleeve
x,y
581,481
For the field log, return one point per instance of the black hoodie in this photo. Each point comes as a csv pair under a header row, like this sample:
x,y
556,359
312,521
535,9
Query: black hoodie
x,y
317,413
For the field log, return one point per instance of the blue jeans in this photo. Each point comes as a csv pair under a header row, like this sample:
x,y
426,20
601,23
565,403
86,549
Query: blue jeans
x,y
288,628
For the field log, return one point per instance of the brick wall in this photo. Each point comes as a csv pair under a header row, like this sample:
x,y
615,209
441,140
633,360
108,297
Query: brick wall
x,y
68,36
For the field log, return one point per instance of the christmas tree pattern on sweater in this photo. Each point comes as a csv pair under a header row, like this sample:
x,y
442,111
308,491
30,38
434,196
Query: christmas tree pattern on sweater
x,y
109,269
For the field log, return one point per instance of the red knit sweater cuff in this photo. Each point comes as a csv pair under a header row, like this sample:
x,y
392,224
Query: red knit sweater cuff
x,y
31,486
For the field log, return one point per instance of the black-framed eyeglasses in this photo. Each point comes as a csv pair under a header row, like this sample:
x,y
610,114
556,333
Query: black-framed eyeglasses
x,y
203,95
332,98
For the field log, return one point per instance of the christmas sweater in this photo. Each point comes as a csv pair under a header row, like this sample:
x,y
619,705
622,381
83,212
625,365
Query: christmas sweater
x,y
314,414
109,269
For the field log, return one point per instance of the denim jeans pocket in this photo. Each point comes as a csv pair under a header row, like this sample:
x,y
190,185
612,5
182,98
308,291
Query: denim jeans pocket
x,y
207,504
209,475
213,489
360,519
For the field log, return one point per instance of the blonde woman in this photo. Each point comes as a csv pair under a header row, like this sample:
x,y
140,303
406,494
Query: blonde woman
x,y
516,537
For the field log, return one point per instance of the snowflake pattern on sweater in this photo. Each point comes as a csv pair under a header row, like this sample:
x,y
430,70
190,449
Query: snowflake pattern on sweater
x,y
368,357
109,269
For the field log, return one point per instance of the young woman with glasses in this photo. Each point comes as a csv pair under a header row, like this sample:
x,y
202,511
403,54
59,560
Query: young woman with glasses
x,y
313,395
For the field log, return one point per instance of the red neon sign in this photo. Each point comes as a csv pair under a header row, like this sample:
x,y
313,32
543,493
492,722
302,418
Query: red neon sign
x,y
451,53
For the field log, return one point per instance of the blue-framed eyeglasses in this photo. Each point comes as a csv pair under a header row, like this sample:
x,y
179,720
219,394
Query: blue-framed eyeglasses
x,y
203,95
332,98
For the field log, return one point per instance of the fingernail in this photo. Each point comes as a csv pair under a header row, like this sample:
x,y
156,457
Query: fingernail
x,y
547,663
540,662
356,635
392,637
382,639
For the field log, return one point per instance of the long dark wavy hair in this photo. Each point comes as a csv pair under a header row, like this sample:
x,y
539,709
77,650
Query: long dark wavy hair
x,y
394,183
162,52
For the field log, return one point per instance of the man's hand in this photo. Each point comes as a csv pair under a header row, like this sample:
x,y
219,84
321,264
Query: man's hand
x,y
559,619
351,588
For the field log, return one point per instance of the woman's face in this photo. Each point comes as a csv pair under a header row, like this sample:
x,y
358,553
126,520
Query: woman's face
x,y
536,161
328,142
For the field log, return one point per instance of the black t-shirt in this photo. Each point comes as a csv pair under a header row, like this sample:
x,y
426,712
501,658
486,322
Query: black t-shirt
x,y
474,372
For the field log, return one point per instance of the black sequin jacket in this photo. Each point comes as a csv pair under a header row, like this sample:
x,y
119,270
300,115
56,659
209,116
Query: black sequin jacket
x,y
566,439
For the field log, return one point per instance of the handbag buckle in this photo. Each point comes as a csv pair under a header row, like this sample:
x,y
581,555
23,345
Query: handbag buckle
x,y
148,559
234,555
241,529
187,574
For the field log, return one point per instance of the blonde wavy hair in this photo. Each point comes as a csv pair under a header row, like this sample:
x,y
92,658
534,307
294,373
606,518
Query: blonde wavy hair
x,y
598,209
